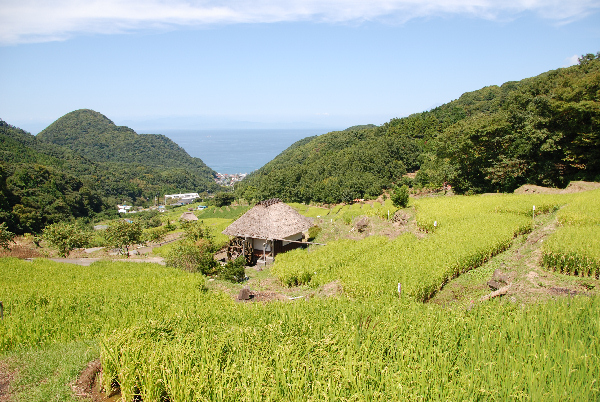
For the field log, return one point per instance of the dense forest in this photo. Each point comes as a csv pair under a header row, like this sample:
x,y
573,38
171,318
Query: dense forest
x,y
83,164
543,130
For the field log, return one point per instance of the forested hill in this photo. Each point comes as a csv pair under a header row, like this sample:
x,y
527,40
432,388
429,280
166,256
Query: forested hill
x,y
47,179
542,130
97,138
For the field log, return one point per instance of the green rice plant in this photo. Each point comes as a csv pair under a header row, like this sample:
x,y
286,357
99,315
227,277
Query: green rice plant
x,y
582,210
230,212
377,349
574,248
314,212
464,232
47,302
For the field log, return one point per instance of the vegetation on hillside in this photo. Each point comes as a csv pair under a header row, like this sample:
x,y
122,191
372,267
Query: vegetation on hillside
x,y
543,130
82,165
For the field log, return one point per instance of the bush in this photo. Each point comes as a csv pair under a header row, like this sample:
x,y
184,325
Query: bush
x,y
195,230
400,197
234,271
156,235
66,237
6,236
192,257
313,232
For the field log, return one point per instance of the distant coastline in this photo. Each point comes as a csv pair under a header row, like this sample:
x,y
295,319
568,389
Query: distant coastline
x,y
237,151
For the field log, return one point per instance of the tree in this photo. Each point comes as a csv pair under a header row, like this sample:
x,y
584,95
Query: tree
x,y
6,236
122,234
66,237
400,197
224,199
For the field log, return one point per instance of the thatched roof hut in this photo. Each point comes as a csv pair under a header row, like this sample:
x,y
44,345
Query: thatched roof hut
x,y
188,216
270,219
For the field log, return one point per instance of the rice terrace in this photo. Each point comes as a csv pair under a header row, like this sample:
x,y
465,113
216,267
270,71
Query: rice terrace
x,y
447,255
336,327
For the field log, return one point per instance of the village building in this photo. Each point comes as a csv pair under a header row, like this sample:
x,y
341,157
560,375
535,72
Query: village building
x,y
182,199
269,228
123,209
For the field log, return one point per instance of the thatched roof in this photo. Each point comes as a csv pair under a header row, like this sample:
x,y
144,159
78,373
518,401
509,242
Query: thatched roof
x,y
270,219
188,216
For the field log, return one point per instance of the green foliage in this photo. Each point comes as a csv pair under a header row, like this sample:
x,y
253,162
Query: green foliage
x,y
313,232
106,164
6,236
36,196
94,136
149,219
541,130
223,199
192,257
66,236
196,230
156,235
234,271
122,234
400,196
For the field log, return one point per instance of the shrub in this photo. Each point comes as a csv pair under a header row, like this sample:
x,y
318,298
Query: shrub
x,y
195,230
223,199
156,235
66,237
234,271
313,232
400,197
192,257
6,236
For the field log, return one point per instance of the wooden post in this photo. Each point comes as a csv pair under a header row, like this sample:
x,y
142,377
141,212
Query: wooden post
x,y
399,289
1,311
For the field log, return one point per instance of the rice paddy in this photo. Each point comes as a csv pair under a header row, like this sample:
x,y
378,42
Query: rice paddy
x,y
162,336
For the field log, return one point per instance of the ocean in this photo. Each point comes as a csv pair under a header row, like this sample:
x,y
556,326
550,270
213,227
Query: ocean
x,y
237,151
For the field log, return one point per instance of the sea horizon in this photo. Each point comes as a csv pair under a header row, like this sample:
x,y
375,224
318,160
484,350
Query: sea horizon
x,y
233,151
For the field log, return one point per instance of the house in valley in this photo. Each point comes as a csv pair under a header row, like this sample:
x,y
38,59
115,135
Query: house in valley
x,y
269,228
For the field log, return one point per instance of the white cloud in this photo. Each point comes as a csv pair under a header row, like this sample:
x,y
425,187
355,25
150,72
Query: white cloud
x,y
49,20
571,61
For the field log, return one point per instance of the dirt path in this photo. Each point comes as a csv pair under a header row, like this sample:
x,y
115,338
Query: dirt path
x,y
6,377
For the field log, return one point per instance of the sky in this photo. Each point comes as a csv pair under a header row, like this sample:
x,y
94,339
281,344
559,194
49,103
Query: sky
x,y
204,64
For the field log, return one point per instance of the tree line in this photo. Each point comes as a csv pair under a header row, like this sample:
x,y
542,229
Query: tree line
x,y
543,130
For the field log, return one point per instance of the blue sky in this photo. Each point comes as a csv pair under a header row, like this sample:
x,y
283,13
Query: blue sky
x,y
173,64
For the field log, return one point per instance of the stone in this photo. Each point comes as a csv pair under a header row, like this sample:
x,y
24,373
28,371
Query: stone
x,y
245,294
500,276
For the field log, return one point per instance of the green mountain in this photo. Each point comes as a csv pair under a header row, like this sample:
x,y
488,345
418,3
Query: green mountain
x,y
97,138
543,130
84,164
